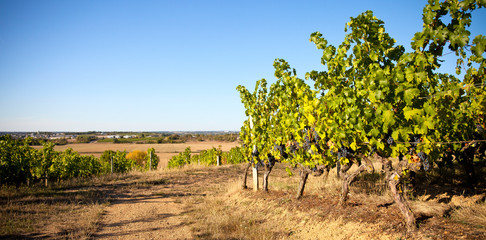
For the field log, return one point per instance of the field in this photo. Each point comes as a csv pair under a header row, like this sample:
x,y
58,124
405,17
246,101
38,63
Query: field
x,y
164,151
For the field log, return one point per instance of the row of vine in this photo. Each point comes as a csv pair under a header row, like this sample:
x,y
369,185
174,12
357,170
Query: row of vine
x,y
22,164
206,157
375,100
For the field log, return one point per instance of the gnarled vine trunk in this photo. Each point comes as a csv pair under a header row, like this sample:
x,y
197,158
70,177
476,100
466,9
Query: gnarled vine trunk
x,y
268,169
342,169
349,178
245,175
393,181
304,174
266,173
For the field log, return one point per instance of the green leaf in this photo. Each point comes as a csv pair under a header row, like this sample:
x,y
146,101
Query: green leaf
x,y
396,135
374,132
410,112
429,123
380,145
410,94
429,109
388,119
373,56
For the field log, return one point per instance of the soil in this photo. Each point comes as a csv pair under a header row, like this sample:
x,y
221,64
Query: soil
x,y
160,205
159,210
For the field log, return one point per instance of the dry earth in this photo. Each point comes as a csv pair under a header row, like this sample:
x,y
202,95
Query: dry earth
x,y
158,208
207,203
166,204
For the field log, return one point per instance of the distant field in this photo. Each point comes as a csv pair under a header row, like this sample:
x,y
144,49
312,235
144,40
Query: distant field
x,y
165,151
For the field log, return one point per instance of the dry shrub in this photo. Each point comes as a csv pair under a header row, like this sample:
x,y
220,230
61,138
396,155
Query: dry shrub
x,y
138,156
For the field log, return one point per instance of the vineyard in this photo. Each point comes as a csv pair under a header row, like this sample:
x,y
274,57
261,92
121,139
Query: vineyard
x,y
381,143
207,157
22,164
375,102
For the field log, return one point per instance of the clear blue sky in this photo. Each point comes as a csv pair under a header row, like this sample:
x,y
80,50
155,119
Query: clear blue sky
x,y
162,65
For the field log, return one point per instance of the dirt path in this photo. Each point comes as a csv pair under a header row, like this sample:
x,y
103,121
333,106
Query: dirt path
x,y
157,208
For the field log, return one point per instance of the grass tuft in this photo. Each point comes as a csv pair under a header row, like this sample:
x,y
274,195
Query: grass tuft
x,y
474,214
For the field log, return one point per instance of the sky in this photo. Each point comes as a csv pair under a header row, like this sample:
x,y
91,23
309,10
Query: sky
x,y
117,65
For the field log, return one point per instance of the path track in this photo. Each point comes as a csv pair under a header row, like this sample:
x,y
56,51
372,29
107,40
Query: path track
x,y
156,208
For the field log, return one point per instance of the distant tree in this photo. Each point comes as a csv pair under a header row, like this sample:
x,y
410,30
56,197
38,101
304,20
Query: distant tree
x,y
174,137
85,138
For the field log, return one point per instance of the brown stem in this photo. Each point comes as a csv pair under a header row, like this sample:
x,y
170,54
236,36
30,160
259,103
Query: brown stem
x,y
245,176
303,179
393,181
342,169
268,169
347,180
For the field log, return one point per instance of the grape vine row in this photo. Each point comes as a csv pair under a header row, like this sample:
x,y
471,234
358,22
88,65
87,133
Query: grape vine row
x,y
374,99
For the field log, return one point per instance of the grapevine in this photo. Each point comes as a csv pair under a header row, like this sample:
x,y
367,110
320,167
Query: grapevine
x,y
375,99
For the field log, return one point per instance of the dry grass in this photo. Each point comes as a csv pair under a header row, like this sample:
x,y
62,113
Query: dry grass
x,y
469,210
233,215
217,208
69,209
50,213
473,214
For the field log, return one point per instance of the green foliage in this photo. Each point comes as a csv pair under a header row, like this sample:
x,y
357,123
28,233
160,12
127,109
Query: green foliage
x,y
120,162
206,157
233,156
43,161
15,161
85,138
374,96
181,159
70,164
155,159
20,163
